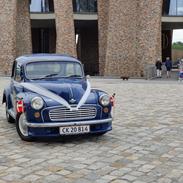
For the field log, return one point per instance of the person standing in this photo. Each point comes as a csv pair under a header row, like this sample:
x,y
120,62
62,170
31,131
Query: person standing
x,y
180,65
158,67
168,64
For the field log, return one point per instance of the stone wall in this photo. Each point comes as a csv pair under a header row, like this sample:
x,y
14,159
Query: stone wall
x,y
121,38
149,32
23,41
66,43
103,12
129,33
7,35
129,36
15,32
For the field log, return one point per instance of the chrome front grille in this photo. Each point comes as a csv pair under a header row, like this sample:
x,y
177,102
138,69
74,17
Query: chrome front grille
x,y
64,114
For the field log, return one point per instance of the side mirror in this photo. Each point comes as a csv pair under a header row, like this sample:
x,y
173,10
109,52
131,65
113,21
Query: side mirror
x,y
88,77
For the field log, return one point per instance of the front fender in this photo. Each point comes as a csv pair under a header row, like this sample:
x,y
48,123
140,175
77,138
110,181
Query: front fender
x,y
29,111
6,97
98,94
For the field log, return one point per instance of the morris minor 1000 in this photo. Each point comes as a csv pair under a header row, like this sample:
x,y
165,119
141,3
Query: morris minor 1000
x,y
49,95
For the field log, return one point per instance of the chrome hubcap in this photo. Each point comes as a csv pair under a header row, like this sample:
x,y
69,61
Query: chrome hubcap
x,y
22,125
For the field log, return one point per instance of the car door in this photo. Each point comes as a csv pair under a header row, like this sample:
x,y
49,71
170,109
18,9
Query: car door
x,y
15,83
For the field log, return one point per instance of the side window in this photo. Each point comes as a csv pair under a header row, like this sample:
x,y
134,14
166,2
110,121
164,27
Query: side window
x,y
17,75
13,69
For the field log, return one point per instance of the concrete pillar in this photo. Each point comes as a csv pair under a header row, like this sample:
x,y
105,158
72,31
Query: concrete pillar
x,y
121,38
24,41
103,12
65,43
149,32
7,35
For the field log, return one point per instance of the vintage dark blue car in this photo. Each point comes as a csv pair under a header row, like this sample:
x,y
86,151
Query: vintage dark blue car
x,y
49,95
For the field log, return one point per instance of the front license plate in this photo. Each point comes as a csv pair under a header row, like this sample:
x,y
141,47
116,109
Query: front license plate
x,y
72,130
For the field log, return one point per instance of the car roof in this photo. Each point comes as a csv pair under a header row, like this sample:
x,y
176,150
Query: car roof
x,y
45,57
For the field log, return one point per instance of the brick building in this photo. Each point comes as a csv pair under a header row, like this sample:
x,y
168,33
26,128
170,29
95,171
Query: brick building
x,y
110,37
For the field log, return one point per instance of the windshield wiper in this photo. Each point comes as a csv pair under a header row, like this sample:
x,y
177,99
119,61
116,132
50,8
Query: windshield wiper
x,y
72,76
47,76
50,75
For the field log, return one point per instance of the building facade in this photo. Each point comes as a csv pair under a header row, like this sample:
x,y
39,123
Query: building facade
x,y
110,37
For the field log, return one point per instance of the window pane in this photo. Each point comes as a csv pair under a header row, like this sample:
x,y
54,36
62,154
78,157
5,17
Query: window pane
x,y
179,7
36,6
173,7
18,73
91,5
85,5
41,6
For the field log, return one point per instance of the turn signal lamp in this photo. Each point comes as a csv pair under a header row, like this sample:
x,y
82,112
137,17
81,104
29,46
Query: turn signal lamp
x,y
106,110
20,106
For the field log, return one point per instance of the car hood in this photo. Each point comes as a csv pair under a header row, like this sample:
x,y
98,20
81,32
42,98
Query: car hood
x,y
70,90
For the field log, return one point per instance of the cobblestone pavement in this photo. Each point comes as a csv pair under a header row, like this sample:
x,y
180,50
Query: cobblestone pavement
x,y
146,144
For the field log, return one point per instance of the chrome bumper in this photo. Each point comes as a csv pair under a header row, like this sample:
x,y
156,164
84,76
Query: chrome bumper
x,y
77,123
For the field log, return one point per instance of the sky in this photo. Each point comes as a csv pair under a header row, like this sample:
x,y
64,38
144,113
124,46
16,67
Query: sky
x,y
178,35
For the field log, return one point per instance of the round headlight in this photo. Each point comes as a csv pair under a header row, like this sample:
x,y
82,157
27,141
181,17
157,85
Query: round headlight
x,y
104,100
37,103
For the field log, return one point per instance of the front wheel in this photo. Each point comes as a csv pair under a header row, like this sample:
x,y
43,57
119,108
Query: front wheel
x,y
22,128
9,118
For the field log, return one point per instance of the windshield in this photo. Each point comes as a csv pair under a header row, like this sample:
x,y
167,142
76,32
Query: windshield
x,y
50,69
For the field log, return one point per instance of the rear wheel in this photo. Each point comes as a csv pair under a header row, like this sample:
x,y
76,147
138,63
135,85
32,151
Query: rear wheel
x,y
9,118
22,128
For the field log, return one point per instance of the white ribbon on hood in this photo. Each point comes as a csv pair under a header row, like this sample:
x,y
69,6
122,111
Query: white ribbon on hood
x,y
44,92
85,96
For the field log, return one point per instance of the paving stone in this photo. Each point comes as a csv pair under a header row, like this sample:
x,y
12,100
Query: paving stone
x,y
119,181
11,177
14,169
43,173
164,180
144,146
31,178
129,177
109,177
146,168
175,173
64,172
